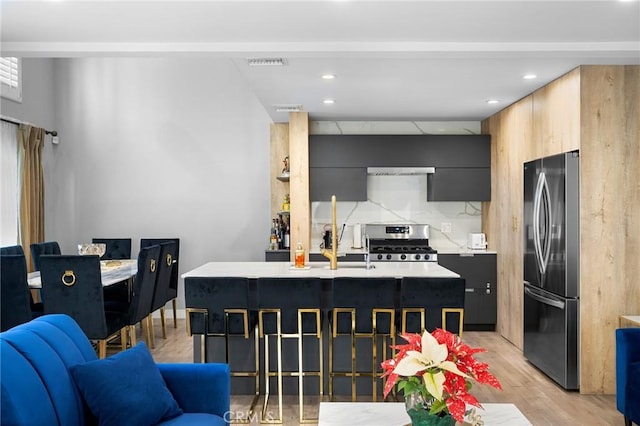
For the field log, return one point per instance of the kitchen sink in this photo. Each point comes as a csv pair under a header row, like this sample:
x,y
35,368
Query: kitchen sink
x,y
363,266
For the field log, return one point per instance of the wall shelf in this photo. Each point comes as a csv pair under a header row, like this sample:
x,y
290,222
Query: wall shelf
x,y
284,177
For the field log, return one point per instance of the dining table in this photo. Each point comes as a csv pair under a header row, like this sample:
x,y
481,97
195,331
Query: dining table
x,y
111,272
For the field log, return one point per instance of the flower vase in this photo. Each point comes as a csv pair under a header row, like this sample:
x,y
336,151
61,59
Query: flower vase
x,y
418,411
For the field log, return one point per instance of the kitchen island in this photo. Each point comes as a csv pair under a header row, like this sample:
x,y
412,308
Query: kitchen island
x,y
430,275
254,270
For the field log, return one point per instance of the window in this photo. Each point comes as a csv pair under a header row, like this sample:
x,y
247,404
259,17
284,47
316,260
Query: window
x,y
11,78
9,185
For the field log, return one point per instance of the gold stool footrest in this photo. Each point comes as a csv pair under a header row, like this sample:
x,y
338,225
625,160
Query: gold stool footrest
x,y
373,336
203,349
299,373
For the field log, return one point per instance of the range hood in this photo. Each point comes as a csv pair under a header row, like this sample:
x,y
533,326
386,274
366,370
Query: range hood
x,y
400,171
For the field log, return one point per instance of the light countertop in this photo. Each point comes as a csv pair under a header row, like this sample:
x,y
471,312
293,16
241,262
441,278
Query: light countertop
x,y
320,270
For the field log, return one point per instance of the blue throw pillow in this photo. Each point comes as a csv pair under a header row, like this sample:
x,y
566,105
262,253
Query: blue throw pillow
x,y
126,389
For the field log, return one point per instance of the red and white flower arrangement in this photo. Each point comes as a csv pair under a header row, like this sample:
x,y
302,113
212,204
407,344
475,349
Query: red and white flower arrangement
x,y
441,368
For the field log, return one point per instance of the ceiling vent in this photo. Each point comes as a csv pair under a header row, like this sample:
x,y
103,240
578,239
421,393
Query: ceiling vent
x,y
266,62
288,108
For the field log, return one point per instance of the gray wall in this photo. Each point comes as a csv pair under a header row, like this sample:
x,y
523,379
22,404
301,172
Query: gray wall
x,y
38,98
153,147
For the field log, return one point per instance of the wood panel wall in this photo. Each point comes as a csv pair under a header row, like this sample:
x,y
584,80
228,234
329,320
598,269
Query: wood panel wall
x,y
595,109
511,133
556,117
299,181
609,215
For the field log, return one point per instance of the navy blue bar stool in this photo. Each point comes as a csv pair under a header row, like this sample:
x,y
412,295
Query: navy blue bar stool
x,y
430,303
289,308
221,308
362,309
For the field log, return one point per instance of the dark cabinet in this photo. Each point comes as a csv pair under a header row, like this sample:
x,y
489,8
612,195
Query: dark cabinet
x,y
338,163
459,184
346,183
348,257
480,274
277,255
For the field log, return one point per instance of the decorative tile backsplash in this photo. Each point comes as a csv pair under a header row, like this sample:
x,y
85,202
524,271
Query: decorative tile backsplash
x,y
399,199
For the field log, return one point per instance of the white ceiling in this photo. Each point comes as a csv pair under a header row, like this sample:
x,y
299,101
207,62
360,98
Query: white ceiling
x,y
429,60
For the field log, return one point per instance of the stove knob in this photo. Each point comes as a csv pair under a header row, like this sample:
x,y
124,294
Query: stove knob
x,y
388,257
417,257
403,256
379,257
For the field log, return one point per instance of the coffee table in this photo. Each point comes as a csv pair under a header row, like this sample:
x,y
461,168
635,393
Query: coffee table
x,y
394,414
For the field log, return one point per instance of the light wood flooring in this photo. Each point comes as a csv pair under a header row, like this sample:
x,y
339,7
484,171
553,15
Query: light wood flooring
x,y
539,399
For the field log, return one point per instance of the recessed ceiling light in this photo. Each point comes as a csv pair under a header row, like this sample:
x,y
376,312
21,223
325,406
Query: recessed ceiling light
x,y
529,76
328,76
493,101
329,101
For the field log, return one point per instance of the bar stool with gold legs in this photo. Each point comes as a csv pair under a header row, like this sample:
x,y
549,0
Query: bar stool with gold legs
x,y
362,309
429,303
289,308
221,308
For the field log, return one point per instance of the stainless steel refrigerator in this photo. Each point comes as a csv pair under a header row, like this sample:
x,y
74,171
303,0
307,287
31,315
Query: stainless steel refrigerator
x,y
551,266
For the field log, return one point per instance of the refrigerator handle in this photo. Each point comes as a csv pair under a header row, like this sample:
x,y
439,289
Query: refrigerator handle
x,y
546,250
542,299
536,222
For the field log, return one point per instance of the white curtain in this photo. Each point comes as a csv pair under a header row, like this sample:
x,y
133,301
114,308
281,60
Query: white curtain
x,y
9,186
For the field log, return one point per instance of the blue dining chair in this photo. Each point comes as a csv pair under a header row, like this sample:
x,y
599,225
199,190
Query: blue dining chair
x,y
39,249
141,298
172,292
14,296
12,250
72,285
163,285
116,248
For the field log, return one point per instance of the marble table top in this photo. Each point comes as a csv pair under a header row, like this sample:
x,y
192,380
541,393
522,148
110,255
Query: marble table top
x,y
394,414
111,271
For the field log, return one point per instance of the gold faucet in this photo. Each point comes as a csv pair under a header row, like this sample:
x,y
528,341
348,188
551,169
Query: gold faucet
x,y
333,254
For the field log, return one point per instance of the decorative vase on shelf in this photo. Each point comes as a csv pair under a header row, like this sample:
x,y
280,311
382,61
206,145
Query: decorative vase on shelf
x,y
418,411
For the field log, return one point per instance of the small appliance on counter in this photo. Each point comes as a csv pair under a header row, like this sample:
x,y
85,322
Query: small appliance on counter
x,y
357,236
476,241
327,234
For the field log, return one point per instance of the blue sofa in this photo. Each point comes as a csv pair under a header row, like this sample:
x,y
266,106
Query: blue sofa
x,y
39,385
628,374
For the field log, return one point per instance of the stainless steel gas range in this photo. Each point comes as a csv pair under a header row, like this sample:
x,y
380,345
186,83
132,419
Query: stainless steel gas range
x,y
399,243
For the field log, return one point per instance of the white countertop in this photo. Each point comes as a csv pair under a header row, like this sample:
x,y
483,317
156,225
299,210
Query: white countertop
x,y
320,270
